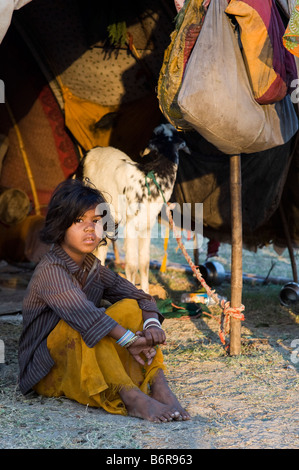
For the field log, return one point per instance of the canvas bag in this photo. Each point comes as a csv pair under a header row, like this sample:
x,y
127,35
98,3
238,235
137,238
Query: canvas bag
x,y
216,97
188,24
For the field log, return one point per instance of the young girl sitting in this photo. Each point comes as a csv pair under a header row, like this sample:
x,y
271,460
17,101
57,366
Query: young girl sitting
x,y
71,345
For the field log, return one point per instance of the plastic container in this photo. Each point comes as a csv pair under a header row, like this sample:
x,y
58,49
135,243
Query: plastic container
x,y
200,298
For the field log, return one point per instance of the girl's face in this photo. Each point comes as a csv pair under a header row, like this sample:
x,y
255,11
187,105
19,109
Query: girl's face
x,y
83,236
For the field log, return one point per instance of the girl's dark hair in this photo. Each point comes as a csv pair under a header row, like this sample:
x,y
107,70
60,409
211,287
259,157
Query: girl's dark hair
x,y
70,200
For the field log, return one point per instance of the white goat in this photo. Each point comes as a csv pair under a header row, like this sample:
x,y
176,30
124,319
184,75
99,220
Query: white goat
x,y
136,198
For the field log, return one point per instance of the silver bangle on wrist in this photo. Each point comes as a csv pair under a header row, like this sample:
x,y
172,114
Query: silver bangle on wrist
x,y
151,322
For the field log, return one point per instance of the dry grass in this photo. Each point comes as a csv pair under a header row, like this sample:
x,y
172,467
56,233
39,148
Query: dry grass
x,y
249,401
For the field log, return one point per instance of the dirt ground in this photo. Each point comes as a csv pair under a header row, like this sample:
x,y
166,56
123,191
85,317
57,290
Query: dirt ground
x,y
250,401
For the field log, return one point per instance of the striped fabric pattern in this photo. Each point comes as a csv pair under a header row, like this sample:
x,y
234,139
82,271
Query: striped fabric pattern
x,y
55,292
270,67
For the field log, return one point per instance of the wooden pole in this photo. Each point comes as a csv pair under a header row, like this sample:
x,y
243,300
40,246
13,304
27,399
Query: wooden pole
x,y
236,253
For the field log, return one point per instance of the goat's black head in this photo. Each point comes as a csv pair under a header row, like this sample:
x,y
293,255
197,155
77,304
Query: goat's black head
x,y
168,141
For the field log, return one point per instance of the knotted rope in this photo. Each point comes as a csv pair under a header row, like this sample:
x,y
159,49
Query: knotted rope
x,y
227,311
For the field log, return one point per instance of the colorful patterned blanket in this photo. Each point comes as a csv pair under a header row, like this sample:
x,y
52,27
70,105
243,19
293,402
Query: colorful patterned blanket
x,y
270,66
291,36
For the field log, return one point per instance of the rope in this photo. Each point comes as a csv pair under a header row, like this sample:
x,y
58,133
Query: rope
x,y
227,310
151,175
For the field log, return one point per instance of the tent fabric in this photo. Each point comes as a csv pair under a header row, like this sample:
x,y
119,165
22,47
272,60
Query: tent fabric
x,y
270,67
65,35
216,97
7,8
47,40
51,153
103,82
291,36
290,204
81,117
3,148
203,176
20,242
125,126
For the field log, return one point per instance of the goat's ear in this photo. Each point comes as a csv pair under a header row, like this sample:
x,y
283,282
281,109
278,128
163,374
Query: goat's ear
x,y
146,151
153,146
183,146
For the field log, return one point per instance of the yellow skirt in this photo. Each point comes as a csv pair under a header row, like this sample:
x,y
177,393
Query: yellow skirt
x,y
95,375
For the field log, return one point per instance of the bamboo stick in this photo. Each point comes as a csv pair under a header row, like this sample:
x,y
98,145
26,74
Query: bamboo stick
x,y
25,160
236,253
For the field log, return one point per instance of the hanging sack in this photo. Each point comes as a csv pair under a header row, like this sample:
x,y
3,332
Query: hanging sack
x,y
216,97
188,25
270,67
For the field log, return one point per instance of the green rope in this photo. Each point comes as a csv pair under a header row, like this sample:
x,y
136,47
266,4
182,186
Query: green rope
x,y
152,177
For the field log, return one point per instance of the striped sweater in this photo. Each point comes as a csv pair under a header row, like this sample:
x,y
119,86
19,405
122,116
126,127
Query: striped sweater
x,y
55,292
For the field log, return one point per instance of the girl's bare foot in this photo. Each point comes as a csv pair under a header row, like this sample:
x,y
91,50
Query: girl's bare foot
x,y
140,405
162,393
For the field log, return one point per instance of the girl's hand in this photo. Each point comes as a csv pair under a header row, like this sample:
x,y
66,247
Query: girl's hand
x,y
154,335
140,346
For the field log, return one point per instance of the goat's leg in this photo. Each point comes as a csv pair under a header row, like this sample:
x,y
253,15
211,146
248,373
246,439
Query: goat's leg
x,y
131,259
101,252
144,243
116,252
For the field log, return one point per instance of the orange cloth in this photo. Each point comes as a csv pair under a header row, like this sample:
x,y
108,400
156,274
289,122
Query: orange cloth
x,y
80,118
95,375
128,126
